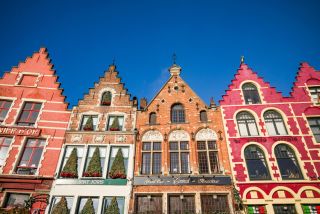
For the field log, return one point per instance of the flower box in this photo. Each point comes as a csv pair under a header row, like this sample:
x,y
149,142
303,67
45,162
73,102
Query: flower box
x,y
94,174
118,175
106,103
68,175
114,129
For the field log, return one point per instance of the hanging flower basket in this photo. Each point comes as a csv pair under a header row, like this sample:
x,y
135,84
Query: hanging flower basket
x,y
118,169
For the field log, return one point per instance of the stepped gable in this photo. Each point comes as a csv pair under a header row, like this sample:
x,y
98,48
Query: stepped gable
x,y
233,95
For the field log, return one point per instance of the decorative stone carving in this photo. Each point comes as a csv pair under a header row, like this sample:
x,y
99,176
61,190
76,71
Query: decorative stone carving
x,y
76,138
179,135
152,135
206,134
98,138
121,138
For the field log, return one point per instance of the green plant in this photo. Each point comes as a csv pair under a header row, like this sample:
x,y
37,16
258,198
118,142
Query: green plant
x,y
113,207
70,169
118,169
61,207
89,124
94,167
88,207
115,125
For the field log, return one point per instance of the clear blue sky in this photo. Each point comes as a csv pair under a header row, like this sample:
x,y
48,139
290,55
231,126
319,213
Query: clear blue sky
x,y
208,37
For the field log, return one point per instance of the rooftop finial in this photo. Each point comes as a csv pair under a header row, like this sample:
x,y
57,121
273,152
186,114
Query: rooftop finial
x,y
242,59
113,61
174,58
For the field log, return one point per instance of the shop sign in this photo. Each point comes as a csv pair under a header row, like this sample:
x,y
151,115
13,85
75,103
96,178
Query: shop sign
x,y
32,132
181,180
91,181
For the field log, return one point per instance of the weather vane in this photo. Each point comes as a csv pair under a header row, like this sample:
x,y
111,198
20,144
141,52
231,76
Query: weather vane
x,y
242,59
174,58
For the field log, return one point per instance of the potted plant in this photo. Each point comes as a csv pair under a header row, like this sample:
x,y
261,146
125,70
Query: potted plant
x,y
118,169
115,125
61,207
70,169
113,207
94,167
88,207
106,99
89,124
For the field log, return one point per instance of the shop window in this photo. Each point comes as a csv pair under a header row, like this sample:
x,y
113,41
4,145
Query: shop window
x,y
71,168
122,159
148,204
284,209
250,93
314,123
89,123
28,80
311,208
208,157
151,158
247,124
177,114
179,157
95,161
287,162
152,118
60,203
181,204
274,123
115,123
315,94
257,209
213,203
4,108
256,163
16,200
87,205
4,147
30,158
203,116
29,114
106,98
108,202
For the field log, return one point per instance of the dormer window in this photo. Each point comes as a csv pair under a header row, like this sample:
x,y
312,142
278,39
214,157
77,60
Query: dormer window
x,y
315,94
177,114
106,98
203,116
89,123
152,118
250,93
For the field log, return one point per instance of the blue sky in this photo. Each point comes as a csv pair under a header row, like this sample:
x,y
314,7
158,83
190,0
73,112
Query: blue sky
x,y
208,37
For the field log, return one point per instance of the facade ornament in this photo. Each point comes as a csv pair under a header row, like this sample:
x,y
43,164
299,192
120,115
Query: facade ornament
x,y
152,135
76,138
98,138
206,134
179,135
121,138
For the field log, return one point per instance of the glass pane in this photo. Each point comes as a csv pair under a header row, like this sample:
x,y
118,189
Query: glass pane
x,y
184,145
203,162
146,163
271,129
212,145
284,209
157,146
107,203
213,157
174,162
253,128
214,204
146,146
201,145
281,128
156,166
56,199
174,146
148,204
184,162
181,204
16,200
243,129
83,202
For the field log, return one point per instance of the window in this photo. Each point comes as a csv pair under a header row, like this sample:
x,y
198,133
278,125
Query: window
x,y
257,209
16,200
106,98
153,118
107,203
62,199
274,123
28,80
181,204
284,209
83,200
214,204
208,157
314,123
179,157
32,153
4,147
115,123
203,116
125,153
4,108
250,93
29,114
311,208
148,204
247,124
256,163
151,158
89,123
177,114
315,92
68,151
287,162
90,154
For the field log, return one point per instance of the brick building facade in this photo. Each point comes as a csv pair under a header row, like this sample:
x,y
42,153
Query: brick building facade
x,y
273,142
33,120
181,159
100,137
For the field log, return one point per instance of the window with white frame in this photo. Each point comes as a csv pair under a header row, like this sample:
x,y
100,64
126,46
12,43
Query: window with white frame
x,y
87,205
4,147
247,124
4,109
109,201
29,114
95,161
250,93
315,94
179,157
151,158
71,168
284,209
113,154
59,203
16,200
311,208
208,157
89,123
314,123
257,209
274,123
115,123
31,156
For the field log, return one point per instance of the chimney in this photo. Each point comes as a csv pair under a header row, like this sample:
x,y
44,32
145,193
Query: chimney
x,y
212,103
143,103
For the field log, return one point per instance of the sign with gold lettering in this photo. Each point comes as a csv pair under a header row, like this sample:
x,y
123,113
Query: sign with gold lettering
x,y
33,132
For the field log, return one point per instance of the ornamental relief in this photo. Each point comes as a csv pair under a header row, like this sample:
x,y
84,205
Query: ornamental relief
x,y
179,135
98,138
76,138
206,134
152,135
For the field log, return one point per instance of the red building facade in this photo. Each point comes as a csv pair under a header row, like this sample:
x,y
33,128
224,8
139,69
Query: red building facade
x,y
33,120
273,142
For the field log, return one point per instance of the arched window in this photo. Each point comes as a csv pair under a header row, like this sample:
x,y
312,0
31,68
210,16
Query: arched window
x,y
287,162
153,118
274,123
177,114
106,98
247,124
203,116
250,93
256,163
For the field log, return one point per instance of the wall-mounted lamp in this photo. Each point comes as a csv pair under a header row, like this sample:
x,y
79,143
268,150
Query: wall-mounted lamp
x,y
158,107
214,196
197,104
220,135
149,197
192,135
181,197
165,136
136,132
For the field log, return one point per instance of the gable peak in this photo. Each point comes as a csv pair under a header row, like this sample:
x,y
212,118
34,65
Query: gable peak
x,y
175,70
